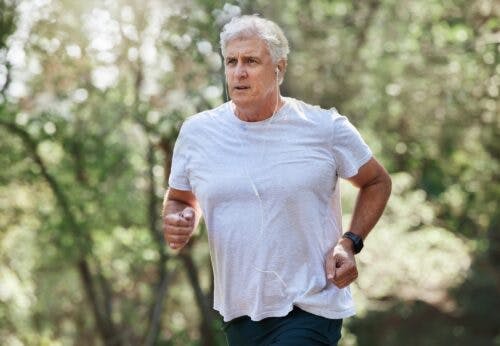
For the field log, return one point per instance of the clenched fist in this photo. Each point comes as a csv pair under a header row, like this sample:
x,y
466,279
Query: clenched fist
x,y
340,264
178,228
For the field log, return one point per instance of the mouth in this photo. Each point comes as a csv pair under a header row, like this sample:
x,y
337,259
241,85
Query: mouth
x,y
241,87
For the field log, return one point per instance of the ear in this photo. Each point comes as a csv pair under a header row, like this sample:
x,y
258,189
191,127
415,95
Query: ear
x,y
281,68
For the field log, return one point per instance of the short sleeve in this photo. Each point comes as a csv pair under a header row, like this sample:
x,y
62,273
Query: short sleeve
x,y
179,177
349,149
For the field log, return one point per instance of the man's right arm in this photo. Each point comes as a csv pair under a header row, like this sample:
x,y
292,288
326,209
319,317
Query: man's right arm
x,y
181,214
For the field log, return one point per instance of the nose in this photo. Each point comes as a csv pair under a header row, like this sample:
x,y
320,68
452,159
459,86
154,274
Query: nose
x,y
240,71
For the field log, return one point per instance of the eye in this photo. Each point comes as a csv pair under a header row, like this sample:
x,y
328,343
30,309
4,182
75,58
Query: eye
x,y
230,61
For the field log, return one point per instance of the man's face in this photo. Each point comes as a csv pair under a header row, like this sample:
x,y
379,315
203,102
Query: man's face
x,y
250,72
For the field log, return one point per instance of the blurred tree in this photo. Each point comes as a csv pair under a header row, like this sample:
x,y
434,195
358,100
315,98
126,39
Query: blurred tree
x,y
93,94
102,109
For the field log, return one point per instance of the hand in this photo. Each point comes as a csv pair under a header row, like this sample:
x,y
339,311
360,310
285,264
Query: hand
x,y
340,264
178,228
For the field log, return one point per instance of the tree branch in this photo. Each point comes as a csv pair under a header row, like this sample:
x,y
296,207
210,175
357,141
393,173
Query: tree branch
x,y
157,309
8,79
161,288
31,144
103,321
362,35
104,324
205,312
105,290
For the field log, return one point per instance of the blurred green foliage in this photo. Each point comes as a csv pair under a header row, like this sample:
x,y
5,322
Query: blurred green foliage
x,y
91,98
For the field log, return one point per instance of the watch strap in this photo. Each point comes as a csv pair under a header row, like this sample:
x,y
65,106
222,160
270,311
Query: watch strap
x,y
357,241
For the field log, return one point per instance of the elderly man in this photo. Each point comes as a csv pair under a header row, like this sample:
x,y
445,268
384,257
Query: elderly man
x,y
263,170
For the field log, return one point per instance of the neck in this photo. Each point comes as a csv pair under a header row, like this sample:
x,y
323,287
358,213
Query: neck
x,y
253,113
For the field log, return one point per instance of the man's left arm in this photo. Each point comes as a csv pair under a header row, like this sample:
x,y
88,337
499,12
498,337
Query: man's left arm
x,y
374,185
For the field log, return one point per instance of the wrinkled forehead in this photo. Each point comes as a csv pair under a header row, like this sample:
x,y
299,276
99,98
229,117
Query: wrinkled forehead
x,y
247,46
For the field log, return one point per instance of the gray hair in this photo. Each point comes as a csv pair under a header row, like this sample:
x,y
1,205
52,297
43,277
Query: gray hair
x,y
249,26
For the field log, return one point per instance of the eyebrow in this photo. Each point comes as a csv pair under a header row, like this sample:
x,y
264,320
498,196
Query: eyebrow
x,y
245,58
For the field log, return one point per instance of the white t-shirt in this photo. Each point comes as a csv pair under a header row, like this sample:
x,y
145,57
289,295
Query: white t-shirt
x,y
269,198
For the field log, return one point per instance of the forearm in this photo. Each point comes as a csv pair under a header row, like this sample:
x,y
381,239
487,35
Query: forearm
x,y
370,204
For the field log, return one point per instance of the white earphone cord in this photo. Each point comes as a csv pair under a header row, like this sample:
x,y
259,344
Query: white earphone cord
x,y
254,187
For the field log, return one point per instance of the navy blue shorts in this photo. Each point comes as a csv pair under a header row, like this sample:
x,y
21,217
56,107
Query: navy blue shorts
x,y
298,328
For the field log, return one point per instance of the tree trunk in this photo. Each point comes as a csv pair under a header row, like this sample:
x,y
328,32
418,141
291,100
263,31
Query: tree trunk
x,y
103,320
207,333
161,287
104,323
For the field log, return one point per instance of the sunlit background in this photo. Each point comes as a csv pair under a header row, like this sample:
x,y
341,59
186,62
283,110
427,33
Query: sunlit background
x,y
92,94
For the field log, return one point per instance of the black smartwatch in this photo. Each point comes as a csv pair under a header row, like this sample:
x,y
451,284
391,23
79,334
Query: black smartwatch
x,y
357,241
